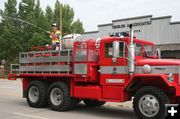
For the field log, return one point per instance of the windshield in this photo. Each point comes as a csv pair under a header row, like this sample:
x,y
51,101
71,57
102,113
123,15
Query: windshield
x,y
149,51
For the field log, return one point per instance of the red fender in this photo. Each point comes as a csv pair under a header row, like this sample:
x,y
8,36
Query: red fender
x,y
162,77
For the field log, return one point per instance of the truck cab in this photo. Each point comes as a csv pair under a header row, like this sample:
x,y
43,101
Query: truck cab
x,y
153,82
114,74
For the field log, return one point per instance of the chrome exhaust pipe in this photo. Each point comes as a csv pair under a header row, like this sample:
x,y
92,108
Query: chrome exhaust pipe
x,y
131,54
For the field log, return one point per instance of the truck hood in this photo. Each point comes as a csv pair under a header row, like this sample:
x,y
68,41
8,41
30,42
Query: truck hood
x,y
157,62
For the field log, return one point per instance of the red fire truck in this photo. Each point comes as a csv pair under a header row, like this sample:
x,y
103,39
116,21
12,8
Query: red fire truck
x,y
109,69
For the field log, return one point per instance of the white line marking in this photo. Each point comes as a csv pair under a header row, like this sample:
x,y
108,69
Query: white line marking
x,y
27,115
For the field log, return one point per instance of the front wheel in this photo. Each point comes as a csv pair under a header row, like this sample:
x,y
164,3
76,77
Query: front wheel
x,y
149,103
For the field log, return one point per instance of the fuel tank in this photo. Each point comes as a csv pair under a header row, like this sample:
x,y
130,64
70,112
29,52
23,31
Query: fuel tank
x,y
68,40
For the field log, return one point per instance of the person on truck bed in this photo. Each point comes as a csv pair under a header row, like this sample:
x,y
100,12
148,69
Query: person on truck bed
x,y
55,37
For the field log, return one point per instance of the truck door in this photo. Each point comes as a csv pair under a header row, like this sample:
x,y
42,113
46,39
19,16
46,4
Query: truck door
x,y
113,69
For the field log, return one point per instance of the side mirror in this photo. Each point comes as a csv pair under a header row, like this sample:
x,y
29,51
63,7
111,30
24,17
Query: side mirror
x,y
116,51
158,53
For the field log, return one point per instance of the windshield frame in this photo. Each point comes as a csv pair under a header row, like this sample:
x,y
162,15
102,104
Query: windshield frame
x,y
142,50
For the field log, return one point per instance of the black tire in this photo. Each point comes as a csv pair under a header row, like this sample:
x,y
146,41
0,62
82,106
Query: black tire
x,y
59,97
36,94
147,97
93,103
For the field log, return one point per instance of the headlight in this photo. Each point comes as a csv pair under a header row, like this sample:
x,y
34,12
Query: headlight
x,y
147,69
170,77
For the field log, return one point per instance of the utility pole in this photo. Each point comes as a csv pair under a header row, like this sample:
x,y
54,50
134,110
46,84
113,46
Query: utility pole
x,y
60,23
61,19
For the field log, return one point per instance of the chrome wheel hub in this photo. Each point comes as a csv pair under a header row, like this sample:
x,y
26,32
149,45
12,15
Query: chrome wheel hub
x,y
33,94
56,96
149,105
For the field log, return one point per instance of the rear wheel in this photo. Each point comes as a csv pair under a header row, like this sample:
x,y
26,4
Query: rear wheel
x,y
93,103
37,94
59,97
149,103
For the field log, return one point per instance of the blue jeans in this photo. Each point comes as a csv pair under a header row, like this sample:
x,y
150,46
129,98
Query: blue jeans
x,y
54,45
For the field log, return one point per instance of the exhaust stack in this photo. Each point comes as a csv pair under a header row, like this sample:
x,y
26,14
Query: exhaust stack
x,y
131,54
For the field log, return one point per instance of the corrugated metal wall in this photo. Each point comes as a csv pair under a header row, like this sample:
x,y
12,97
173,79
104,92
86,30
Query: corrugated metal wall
x,y
91,35
160,30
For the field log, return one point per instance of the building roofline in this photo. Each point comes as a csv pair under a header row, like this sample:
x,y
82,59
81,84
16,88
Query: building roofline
x,y
131,18
88,32
108,24
162,17
173,23
168,44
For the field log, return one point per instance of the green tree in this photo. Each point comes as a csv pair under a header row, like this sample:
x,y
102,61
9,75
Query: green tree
x,y
35,26
68,16
10,46
49,16
26,14
23,26
77,27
